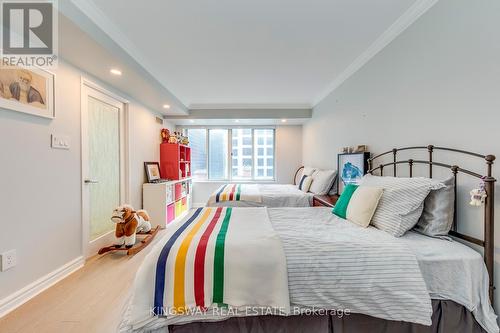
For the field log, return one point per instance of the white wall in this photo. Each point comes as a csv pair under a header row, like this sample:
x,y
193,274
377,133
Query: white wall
x,y
288,159
40,187
437,83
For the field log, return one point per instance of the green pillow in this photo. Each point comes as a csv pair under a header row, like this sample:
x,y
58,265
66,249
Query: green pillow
x,y
340,208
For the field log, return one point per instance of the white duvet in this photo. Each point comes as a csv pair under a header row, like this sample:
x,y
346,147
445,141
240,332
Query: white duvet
x,y
270,195
330,265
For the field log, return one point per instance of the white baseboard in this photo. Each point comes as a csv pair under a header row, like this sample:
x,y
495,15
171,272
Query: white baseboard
x,y
23,295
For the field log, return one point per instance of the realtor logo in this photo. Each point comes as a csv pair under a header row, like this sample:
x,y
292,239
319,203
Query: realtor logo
x,y
29,31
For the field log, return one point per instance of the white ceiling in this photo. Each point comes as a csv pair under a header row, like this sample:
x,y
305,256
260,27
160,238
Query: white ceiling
x,y
253,52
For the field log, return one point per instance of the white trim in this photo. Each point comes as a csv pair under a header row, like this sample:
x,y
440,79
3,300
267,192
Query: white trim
x,y
23,295
91,84
248,106
400,25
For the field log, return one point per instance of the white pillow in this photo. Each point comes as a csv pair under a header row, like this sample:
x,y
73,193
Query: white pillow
x,y
322,181
305,183
402,203
308,171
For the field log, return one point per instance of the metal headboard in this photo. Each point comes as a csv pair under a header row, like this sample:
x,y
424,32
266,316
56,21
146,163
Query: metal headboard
x,y
489,206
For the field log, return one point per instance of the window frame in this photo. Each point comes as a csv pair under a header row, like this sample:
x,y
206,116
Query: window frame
x,y
229,161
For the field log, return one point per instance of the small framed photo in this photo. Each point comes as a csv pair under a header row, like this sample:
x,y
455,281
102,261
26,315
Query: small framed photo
x,y
27,90
152,171
351,168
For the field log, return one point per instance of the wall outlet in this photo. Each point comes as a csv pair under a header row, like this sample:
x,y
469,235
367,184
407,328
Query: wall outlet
x,y
60,141
9,260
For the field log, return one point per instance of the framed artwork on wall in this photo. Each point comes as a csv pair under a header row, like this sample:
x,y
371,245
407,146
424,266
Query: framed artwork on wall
x,y
27,90
351,168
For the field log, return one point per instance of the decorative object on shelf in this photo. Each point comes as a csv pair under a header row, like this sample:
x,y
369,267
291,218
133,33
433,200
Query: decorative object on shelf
x,y
172,138
351,168
165,135
130,223
360,149
185,140
478,195
27,90
152,171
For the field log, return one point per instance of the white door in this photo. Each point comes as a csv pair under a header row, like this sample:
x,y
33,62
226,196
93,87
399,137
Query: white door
x,y
104,180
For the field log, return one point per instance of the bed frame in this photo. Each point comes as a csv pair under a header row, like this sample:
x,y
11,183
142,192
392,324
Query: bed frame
x,y
489,206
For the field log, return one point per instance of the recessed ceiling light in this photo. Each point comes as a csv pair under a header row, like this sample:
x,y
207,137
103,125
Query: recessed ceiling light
x,y
166,106
115,71
191,120
283,120
237,121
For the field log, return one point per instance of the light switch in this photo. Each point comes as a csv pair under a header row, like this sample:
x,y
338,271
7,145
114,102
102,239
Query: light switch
x,y
60,141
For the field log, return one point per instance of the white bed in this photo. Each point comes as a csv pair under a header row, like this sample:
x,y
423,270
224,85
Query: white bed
x,y
316,245
267,195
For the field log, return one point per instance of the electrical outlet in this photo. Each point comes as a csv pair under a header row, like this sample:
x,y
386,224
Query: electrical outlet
x,y
9,260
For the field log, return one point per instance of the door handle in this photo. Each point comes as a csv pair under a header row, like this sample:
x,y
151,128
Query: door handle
x,y
90,181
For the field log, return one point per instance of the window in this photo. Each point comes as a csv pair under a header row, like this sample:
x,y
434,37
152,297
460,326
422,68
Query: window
x,y
198,142
264,142
217,153
232,154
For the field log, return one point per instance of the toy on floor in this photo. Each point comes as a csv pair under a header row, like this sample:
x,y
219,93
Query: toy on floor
x,y
130,223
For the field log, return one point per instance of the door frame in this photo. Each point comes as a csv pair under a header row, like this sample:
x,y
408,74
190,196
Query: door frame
x,y
90,88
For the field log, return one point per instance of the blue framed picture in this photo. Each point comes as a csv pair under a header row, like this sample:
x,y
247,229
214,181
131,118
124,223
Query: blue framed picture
x,y
351,168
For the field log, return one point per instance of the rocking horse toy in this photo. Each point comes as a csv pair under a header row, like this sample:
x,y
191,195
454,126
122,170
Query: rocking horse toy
x,y
130,223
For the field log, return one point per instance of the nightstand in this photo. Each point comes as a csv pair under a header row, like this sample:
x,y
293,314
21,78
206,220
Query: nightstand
x,y
325,200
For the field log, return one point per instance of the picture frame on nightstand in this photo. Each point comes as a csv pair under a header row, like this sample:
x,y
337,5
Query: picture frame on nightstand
x,y
351,168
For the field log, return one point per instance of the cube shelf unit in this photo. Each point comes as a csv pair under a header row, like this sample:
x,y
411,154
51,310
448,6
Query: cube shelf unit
x,y
167,202
175,161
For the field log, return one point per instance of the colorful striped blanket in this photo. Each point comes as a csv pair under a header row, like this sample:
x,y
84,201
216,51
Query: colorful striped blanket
x,y
220,257
236,192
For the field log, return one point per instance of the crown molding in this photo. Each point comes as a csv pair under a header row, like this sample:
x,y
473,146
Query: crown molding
x,y
248,106
400,25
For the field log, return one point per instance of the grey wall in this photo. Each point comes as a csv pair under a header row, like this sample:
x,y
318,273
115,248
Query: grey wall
x,y
40,192
438,82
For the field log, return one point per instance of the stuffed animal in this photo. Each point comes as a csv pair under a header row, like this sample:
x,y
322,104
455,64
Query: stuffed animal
x,y
165,135
128,223
477,197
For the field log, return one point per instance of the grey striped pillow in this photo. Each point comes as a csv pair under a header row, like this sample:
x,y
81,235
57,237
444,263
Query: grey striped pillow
x,y
402,203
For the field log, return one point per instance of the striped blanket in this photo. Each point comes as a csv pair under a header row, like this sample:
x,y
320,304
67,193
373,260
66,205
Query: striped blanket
x,y
201,264
236,192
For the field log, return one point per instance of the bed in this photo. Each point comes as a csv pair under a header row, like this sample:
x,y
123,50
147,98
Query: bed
x,y
305,268
260,195
267,195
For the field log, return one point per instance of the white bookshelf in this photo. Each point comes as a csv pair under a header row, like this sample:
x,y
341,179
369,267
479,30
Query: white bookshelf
x,y
167,202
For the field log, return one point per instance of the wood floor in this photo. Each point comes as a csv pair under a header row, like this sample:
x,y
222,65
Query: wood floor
x,y
89,300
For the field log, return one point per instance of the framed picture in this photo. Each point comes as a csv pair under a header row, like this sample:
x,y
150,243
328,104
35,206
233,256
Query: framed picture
x,y
152,171
27,90
351,168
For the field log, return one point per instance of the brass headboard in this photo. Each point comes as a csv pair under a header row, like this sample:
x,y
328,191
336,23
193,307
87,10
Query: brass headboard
x,y
489,206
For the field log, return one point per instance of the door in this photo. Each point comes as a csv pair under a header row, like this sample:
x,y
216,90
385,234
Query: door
x,y
103,166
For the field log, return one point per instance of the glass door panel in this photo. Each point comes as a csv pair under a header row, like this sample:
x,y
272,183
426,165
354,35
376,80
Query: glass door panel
x,y
104,165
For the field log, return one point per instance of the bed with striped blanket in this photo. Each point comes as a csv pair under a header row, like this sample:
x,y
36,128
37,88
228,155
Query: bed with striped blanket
x,y
312,260
259,195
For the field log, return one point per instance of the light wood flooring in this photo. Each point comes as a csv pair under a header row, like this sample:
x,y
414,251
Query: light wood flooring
x,y
89,300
